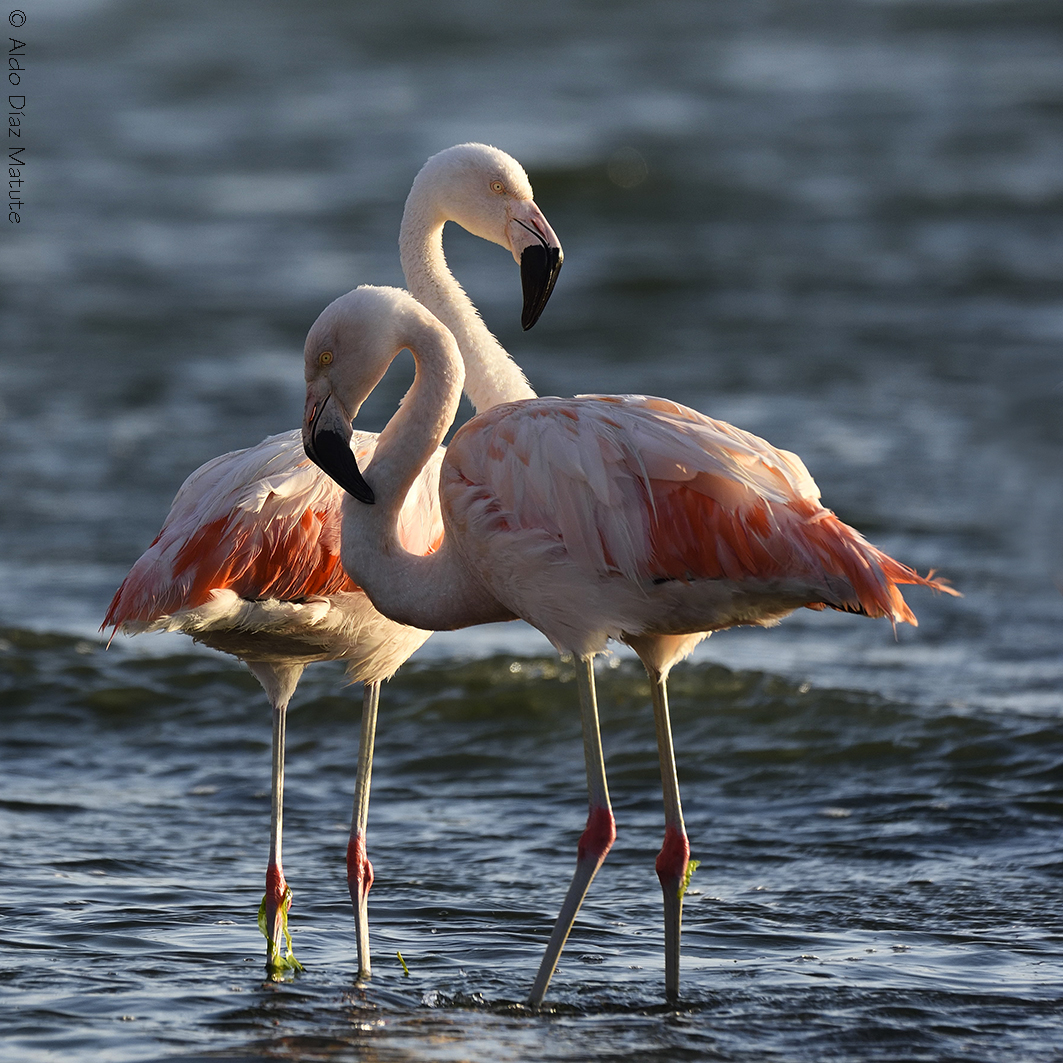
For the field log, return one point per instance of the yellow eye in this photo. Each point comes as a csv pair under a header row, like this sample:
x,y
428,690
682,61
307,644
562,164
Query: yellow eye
x,y
497,186
324,358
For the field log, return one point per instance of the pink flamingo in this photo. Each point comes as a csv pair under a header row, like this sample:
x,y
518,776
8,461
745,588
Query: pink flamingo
x,y
247,561
598,517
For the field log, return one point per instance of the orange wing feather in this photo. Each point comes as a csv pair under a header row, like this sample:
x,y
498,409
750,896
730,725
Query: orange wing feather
x,y
264,523
284,558
694,537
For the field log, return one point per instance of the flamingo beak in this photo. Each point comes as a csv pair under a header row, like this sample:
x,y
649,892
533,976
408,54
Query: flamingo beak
x,y
539,267
536,247
327,442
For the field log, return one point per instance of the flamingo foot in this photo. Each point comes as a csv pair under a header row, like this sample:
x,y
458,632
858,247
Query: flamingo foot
x,y
359,882
273,922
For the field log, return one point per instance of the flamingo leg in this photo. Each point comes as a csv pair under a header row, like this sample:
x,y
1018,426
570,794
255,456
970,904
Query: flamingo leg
x,y
273,915
674,857
597,838
359,869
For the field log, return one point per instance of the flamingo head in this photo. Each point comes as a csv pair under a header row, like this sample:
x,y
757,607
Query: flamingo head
x,y
347,351
488,194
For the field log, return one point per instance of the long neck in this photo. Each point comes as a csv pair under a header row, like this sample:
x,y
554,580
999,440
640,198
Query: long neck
x,y
491,375
437,592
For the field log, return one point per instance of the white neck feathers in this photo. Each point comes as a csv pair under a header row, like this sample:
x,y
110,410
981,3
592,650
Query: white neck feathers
x,y
433,592
492,377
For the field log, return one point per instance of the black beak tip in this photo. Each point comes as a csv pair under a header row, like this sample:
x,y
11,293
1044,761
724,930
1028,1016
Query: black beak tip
x,y
332,454
539,267
365,494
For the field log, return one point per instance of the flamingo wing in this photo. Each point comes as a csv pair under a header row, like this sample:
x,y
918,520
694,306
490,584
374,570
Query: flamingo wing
x,y
261,522
656,492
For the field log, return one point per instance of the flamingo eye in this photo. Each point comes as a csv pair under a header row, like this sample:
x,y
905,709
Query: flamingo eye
x,y
324,358
497,186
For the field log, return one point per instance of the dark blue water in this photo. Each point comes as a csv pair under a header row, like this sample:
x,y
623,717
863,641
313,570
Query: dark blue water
x,y
836,224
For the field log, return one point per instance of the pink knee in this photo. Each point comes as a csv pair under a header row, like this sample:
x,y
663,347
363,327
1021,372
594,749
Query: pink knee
x,y
599,835
674,856
359,869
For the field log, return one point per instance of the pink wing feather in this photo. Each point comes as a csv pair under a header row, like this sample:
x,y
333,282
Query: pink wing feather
x,y
656,491
263,522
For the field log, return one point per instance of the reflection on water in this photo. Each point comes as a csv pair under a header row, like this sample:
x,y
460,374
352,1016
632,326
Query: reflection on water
x,y
835,224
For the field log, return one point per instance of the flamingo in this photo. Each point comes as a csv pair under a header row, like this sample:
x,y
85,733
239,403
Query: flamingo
x,y
597,517
247,561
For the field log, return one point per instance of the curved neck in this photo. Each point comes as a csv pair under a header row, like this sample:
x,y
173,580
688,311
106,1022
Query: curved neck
x,y
436,592
491,375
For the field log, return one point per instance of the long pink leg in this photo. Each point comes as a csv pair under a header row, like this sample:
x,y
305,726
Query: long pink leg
x,y
359,869
279,681
674,856
597,838
278,897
